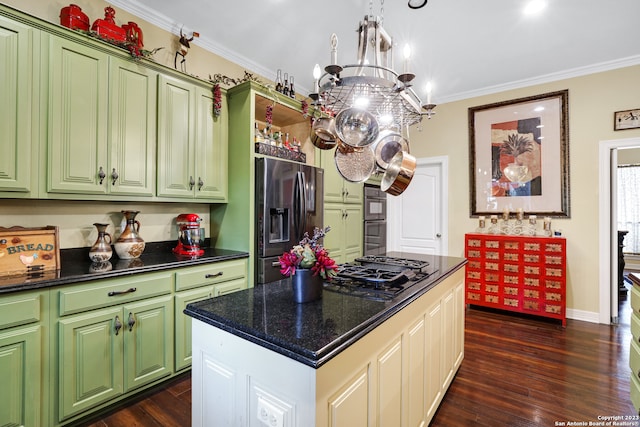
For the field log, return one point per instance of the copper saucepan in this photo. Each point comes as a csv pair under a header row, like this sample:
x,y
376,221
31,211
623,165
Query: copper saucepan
x,y
399,173
323,133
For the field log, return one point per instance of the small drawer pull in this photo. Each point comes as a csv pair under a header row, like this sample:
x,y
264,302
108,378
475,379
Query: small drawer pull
x,y
211,276
128,291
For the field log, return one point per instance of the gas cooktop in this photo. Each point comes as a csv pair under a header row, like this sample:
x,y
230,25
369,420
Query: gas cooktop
x,y
378,278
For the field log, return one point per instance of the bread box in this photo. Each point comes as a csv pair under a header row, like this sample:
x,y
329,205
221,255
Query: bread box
x,y
28,250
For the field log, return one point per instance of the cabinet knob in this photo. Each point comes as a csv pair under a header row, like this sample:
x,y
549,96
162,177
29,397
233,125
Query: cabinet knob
x,y
117,324
438,235
192,183
101,175
200,183
114,176
131,321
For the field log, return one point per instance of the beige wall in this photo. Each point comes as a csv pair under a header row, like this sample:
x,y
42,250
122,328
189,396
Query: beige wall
x,y
592,101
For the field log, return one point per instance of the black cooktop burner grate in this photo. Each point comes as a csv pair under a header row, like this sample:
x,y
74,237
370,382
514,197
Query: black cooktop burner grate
x,y
392,263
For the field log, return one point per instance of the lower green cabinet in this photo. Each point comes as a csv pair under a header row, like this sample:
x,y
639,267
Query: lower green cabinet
x,y
125,344
23,356
198,283
344,242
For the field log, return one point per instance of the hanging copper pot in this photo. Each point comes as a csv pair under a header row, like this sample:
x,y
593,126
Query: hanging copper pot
x,y
399,173
323,133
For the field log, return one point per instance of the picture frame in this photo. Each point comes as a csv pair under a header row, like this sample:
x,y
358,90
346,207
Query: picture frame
x,y
519,156
626,119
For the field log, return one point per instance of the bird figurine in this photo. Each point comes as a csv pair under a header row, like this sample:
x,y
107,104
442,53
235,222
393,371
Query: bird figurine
x,y
28,260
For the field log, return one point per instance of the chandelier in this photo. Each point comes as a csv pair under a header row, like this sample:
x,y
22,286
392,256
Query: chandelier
x,y
367,110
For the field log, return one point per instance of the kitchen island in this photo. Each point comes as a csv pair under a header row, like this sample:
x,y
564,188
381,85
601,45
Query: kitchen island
x,y
261,359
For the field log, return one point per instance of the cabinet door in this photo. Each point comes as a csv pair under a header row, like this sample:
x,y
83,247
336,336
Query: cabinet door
x,y
176,137
230,287
211,148
333,182
334,240
353,192
21,373
148,341
183,323
17,86
78,100
89,360
132,138
353,231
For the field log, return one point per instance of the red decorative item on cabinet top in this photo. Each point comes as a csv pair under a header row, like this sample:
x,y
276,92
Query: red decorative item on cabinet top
x,y
107,27
134,34
73,17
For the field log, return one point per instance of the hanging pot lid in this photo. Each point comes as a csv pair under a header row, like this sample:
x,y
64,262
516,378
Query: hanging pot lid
x,y
354,164
399,173
356,127
388,144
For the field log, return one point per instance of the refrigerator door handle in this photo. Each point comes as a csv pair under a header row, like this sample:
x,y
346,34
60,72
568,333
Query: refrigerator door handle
x,y
303,199
298,192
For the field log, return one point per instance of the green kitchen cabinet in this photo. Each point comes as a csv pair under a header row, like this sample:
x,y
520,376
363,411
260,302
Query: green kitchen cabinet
x,y
23,354
344,242
192,147
101,134
336,188
114,336
19,85
343,212
198,283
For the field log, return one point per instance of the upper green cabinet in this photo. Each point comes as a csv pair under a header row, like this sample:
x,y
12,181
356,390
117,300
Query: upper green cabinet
x,y
19,71
101,137
81,119
336,188
192,152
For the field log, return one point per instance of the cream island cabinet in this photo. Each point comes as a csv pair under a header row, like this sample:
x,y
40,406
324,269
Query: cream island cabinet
x,y
84,120
75,343
342,360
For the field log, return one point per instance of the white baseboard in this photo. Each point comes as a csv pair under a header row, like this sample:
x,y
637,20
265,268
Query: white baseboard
x,y
585,316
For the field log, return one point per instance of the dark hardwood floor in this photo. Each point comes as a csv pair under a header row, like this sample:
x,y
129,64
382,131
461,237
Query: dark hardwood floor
x,y
517,372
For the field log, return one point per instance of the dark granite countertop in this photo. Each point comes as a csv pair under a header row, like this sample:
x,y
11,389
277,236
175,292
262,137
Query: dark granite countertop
x,y
76,267
314,332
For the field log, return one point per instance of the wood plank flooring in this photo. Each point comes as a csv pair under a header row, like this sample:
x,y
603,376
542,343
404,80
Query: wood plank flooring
x,y
517,372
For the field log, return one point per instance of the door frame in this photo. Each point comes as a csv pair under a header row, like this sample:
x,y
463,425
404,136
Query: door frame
x,y
393,207
605,223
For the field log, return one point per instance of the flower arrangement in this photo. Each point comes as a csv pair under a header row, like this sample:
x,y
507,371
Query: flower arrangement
x,y
309,254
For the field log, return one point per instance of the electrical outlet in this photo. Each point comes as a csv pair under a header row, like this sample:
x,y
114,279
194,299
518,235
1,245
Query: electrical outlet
x,y
269,414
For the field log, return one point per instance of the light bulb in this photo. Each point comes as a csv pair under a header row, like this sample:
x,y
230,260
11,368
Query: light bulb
x,y
429,90
316,72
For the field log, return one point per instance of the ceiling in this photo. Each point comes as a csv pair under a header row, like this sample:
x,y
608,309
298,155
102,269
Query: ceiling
x,y
465,47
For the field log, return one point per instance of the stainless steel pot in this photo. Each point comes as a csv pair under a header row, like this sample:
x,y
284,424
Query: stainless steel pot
x,y
399,173
356,127
388,144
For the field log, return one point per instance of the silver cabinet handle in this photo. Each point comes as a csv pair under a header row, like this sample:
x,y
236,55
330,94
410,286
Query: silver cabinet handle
x,y
131,321
200,184
101,175
117,324
114,176
192,183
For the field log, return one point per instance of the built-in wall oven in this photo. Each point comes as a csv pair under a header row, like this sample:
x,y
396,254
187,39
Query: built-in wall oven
x,y
375,221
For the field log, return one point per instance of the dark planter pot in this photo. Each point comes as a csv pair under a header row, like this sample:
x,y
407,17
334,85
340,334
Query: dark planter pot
x,y
306,286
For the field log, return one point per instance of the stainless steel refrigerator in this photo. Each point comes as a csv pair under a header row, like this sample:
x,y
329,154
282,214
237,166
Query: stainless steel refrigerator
x,y
289,201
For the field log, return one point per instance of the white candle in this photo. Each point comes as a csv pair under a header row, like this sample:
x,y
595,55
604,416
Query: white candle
x,y
407,56
429,89
316,77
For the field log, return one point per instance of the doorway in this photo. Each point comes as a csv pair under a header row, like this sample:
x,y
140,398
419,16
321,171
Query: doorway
x,y
607,225
417,220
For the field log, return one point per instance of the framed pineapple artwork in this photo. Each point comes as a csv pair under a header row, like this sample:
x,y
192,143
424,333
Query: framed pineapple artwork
x,y
519,156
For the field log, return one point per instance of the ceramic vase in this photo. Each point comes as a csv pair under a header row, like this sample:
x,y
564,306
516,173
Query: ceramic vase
x,y
306,286
101,250
130,245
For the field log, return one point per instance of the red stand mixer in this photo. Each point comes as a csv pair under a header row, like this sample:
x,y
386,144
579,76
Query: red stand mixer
x,y
190,236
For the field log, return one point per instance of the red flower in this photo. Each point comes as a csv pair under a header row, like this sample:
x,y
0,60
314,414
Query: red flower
x,y
288,263
325,266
